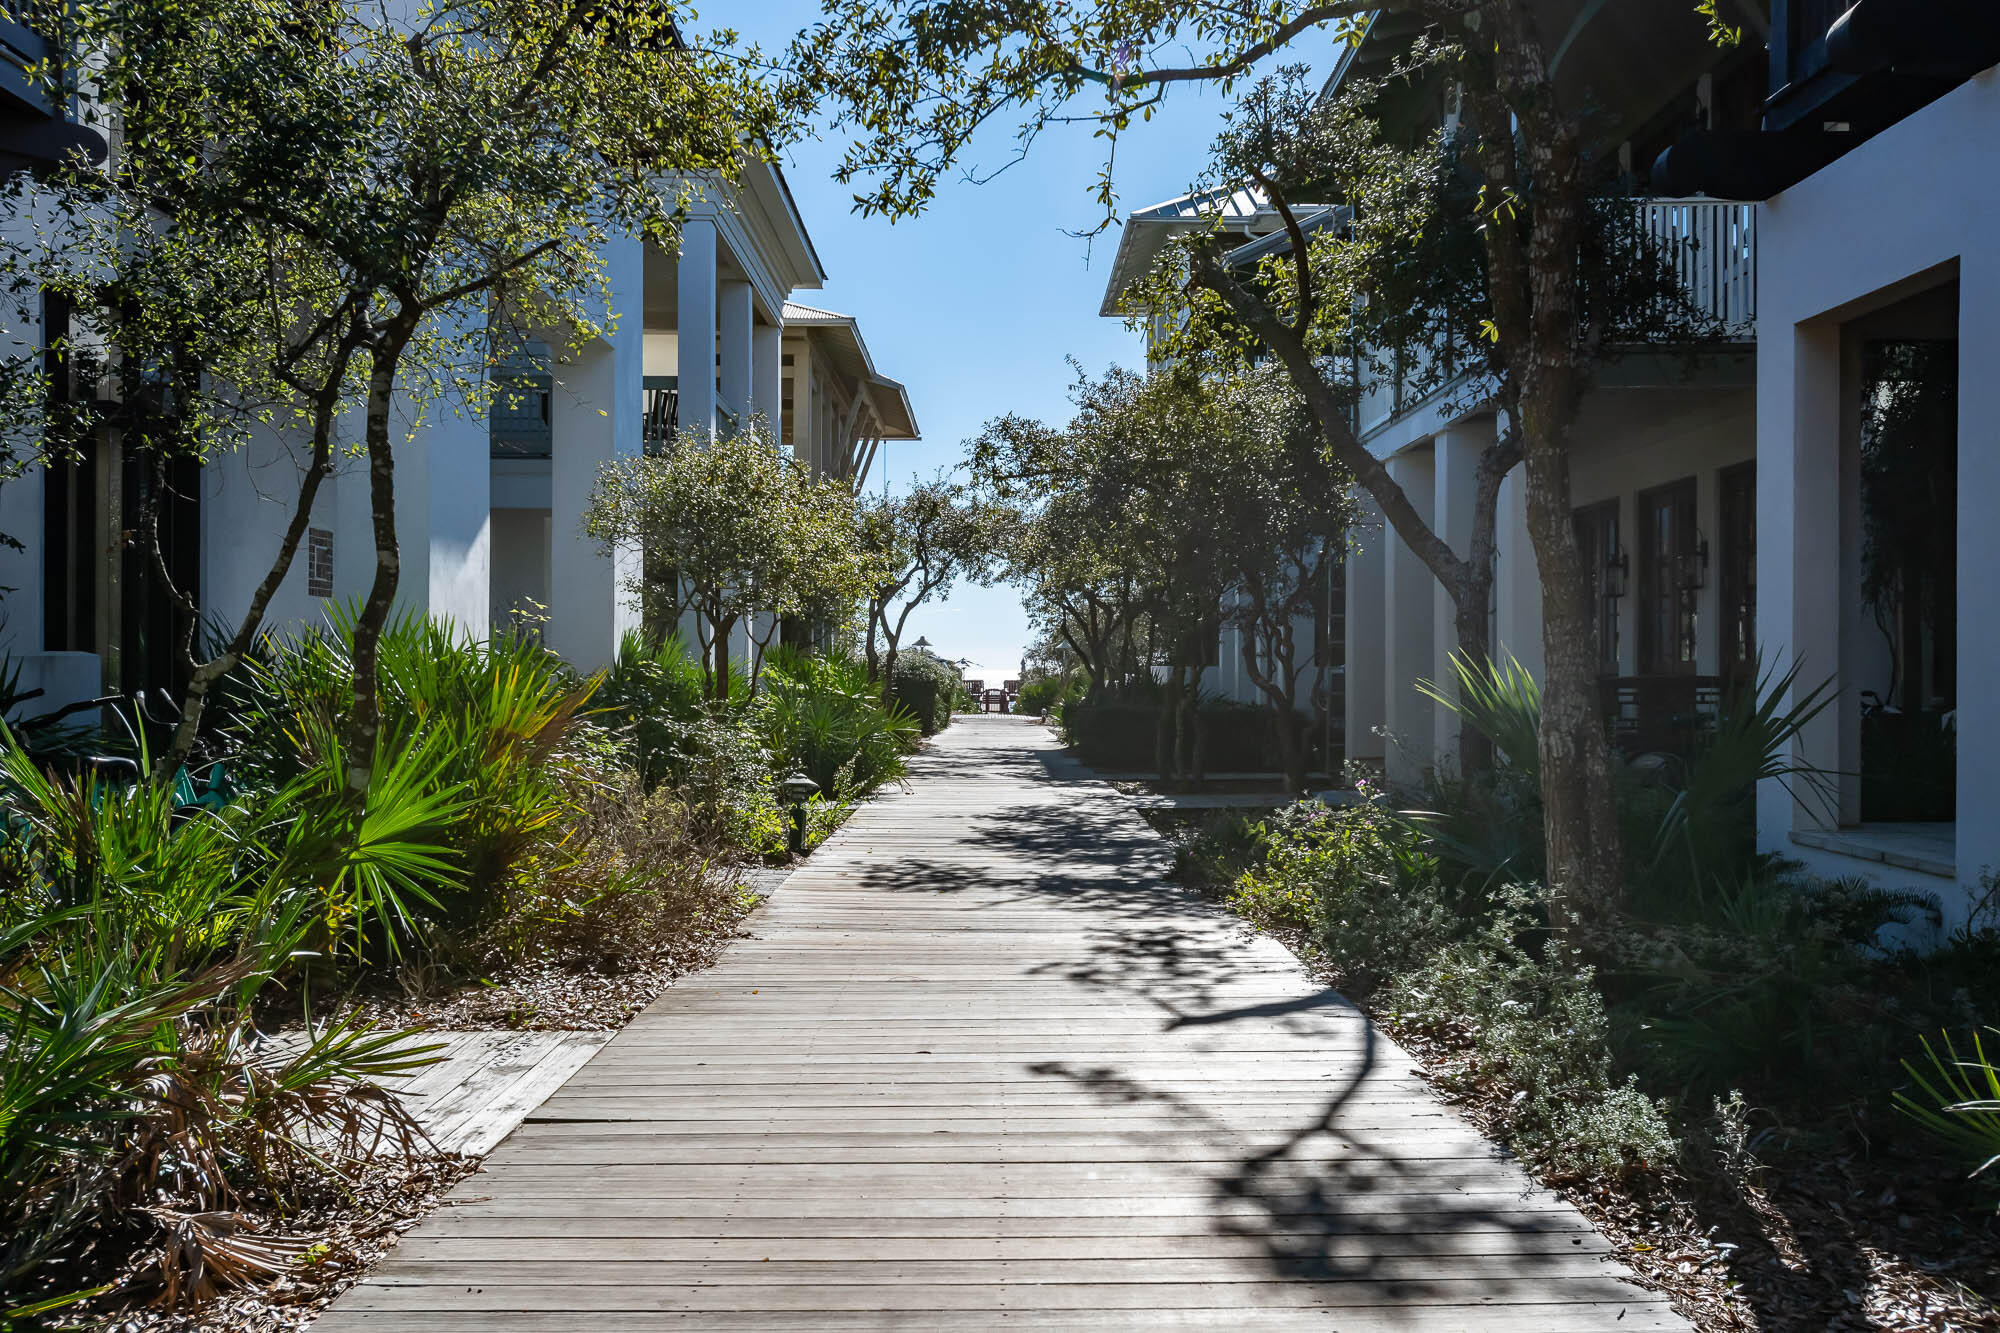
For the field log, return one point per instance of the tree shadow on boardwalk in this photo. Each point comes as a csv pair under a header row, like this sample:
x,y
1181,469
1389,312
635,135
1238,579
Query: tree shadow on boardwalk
x,y
1354,1190
1326,1220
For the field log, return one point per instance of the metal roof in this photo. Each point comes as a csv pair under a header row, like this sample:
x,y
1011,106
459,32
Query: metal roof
x,y
1279,242
850,354
1147,231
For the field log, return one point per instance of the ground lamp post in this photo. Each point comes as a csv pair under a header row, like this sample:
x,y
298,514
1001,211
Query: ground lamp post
x,y
795,791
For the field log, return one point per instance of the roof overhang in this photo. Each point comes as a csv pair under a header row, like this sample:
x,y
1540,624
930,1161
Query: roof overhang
x,y
840,335
766,182
1147,231
1311,220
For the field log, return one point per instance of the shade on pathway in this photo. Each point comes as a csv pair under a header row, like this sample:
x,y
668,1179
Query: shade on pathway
x,y
982,1066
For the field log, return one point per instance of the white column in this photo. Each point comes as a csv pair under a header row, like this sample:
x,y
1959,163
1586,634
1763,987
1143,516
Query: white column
x,y
735,323
1978,556
695,326
596,418
1409,604
1799,503
767,375
457,452
1455,458
805,400
1367,568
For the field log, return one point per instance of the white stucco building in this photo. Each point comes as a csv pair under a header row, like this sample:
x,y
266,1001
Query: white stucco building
x,y
489,503
1877,407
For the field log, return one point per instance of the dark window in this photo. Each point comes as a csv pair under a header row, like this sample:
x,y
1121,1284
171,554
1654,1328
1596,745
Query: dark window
x,y
319,562
1738,502
69,505
1670,577
1909,513
519,421
1597,539
150,619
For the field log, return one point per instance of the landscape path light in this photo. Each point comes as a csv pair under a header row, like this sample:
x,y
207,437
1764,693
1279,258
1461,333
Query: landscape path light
x,y
795,791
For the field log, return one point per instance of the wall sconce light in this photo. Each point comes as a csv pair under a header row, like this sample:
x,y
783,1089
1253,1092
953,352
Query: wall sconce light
x,y
1694,566
1616,570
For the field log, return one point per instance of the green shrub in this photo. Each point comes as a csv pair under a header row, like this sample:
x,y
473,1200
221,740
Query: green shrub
x,y
1365,887
1957,1098
928,687
1122,734
722,774
819,716
1518,1020
1469,969
650,696
1218,848
1040,695
491,719
137,940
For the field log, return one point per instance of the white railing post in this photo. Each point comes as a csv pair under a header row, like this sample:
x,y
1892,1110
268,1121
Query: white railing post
x,y
1712,245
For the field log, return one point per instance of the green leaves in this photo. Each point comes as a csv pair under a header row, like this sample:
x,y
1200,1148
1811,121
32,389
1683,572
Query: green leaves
x,y
731,528
916,81
1957,1098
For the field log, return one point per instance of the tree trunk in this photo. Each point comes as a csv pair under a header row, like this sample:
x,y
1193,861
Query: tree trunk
x,y
364,724
1474,630
1453,573
1276,692
718,678
1197,727
874,660
206,675
1167,738
1523,134
1579,804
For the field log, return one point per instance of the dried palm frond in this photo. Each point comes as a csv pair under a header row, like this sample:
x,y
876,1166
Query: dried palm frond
x,y
208,1253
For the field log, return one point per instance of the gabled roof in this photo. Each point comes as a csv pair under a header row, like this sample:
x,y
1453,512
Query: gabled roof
x,y
1147,231
850,355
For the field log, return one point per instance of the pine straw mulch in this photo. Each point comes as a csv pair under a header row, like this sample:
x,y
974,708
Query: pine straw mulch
x,y
344,1232
1807,1242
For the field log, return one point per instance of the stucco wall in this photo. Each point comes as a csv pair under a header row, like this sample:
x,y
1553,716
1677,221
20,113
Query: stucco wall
x,y
1913,206
247,495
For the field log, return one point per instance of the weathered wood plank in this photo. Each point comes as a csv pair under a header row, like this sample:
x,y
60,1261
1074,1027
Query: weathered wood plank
x,y
994,1299
1624,1317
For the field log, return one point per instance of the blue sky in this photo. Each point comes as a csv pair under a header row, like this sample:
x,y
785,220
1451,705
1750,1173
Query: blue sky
x,y
977,304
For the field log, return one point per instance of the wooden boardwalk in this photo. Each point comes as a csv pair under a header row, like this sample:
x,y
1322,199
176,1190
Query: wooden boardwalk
x,y
981,1066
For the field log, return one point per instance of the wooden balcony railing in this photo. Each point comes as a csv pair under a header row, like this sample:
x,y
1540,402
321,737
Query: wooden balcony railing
x,y
1713,248
662,410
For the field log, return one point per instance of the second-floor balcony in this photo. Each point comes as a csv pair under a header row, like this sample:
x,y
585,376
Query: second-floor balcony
x,y
1712,247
